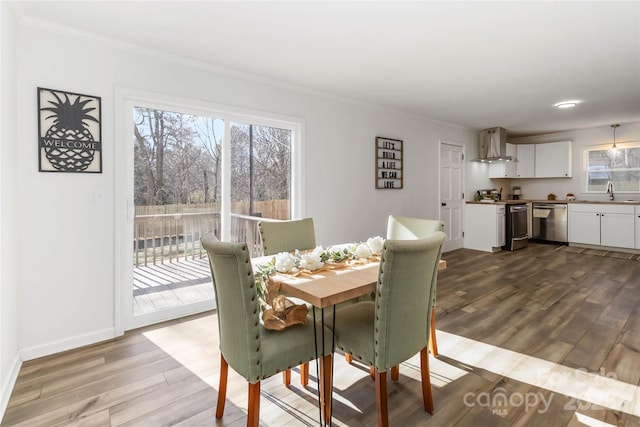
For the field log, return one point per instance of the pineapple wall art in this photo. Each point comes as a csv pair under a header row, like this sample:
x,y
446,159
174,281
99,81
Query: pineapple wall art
x,y
69,132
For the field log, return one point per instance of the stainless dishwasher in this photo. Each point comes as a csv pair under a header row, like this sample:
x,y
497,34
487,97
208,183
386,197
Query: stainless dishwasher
x,y
549,222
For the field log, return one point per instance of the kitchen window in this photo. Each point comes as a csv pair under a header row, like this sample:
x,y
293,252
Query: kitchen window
x,y
622,168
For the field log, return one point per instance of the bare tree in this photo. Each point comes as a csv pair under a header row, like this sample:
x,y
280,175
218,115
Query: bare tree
x,y
272,160
178,159
206,131
151,139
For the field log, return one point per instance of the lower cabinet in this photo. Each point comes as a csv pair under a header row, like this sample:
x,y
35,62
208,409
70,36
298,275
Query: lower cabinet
x,y
583,227
484,226
616,229
637,217
602,224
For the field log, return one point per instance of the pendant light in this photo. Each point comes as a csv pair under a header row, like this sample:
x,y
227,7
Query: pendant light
x,y
614,148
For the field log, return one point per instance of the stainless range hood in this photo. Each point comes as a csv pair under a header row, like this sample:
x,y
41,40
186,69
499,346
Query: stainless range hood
x,y
492,146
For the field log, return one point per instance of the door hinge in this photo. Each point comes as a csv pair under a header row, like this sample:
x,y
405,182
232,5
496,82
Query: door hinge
x,y
463,157
463,234
462,196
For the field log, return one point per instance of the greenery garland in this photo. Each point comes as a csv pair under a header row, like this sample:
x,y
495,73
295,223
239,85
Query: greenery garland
x,y
288,263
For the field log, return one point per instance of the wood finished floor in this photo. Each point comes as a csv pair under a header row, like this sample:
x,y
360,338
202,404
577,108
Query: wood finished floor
x,y
532,337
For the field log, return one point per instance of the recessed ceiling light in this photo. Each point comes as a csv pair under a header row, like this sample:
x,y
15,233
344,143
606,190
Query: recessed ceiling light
x,y
566,104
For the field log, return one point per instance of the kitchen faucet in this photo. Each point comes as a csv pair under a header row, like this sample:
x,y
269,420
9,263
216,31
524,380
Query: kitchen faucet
x,y
610,190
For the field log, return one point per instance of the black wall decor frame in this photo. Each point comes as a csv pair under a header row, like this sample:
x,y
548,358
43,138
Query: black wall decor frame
x,y
69,132
389,163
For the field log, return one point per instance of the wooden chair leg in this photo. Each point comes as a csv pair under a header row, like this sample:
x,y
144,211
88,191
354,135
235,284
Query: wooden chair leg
x,y
222,388
348,357
286,377
395,373
381,399
427,397
325,387
433,344
304,374
253,410
372,372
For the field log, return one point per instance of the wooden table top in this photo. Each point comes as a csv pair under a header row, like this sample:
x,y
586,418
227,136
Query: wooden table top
x,y
330,287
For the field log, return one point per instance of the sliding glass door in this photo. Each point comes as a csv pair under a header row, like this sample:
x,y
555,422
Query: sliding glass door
x,y
193,171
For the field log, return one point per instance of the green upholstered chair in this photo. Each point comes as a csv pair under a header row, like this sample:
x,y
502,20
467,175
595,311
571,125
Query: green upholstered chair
x,y
406,228
287,236
393,328
251,350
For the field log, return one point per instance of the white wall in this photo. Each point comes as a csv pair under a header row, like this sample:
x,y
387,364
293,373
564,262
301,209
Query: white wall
x,y
66,248
539,188
9,360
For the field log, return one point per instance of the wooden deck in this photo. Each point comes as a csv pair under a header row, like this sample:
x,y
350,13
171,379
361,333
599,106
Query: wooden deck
x,y
171,284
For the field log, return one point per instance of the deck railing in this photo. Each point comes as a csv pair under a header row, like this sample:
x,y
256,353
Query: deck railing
x,y
167,238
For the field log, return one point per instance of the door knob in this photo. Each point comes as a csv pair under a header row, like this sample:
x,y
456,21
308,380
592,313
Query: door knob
x,y
443,204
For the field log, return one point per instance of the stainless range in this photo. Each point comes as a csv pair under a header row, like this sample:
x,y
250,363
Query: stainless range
x,y
516,233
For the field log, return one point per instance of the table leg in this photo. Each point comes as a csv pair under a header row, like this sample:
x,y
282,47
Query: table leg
x,y
315,342
325,371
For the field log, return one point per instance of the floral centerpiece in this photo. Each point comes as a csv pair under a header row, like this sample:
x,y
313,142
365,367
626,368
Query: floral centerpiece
x,y
278,312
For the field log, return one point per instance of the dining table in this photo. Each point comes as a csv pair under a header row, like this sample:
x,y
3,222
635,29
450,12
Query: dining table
x,y
323,289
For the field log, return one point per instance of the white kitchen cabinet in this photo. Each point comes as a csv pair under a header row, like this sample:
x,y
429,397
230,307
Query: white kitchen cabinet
x,y
548,160
484,226
526,155
505,169
553,160
583,227
637,218
602,224
500,225
616,229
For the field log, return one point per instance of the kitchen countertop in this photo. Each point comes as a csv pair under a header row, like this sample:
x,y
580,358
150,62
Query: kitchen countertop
x,y
501,202
512,202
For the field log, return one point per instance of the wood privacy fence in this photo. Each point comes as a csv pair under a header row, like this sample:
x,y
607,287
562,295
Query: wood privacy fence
x,y
169,233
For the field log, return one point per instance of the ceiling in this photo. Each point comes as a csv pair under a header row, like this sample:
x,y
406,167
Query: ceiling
x,y
474,64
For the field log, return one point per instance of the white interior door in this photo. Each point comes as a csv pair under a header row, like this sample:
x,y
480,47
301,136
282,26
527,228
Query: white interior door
x,y
451,193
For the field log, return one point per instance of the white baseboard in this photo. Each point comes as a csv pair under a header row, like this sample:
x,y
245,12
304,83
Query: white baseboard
x,y
67,344
9,384
605,248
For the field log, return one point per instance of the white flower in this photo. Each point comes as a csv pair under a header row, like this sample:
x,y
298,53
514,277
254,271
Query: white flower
x,y
311,261
285,262
362,251
375,244
318,251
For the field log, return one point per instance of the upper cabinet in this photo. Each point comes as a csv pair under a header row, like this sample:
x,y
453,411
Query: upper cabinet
x,y
505,169
553,160
526,155
545,160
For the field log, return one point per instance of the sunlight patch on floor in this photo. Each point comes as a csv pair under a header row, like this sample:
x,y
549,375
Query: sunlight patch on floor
x,y
596,388
585,420
198,352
